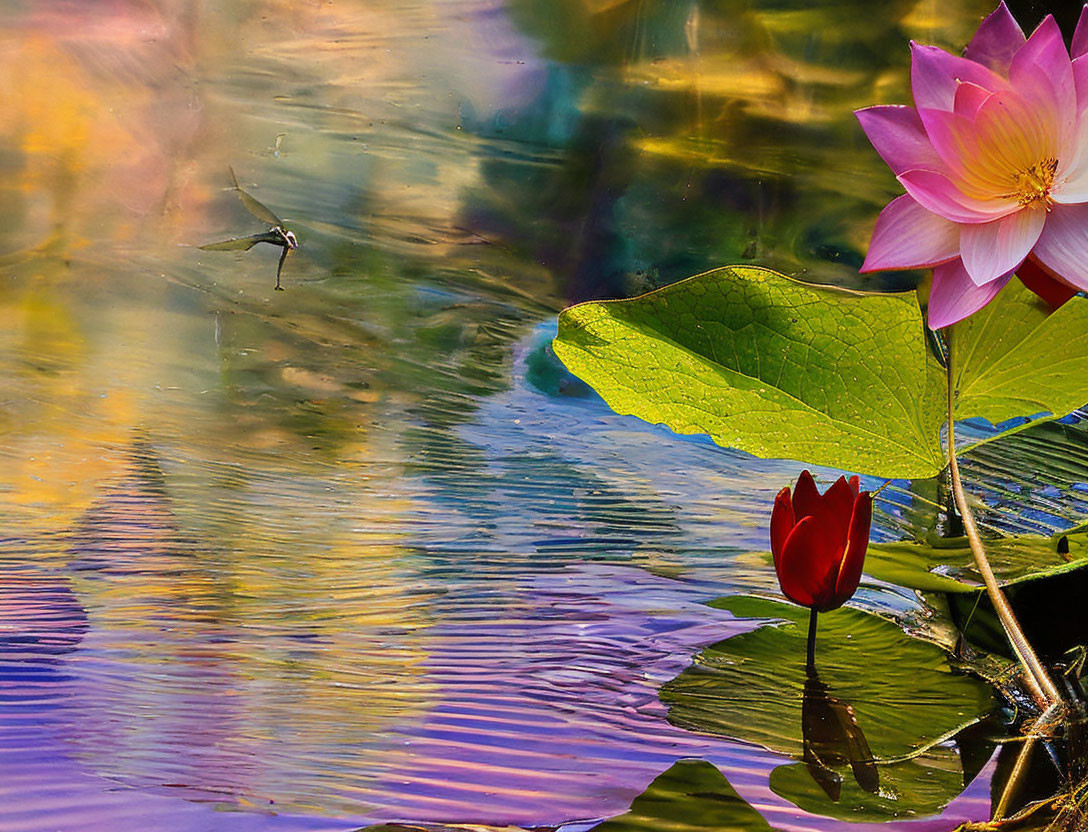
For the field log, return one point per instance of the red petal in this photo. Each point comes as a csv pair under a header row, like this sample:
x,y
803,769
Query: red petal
x,y
809,564
781,524
806,498
850,570
1054,292
838,505
855,485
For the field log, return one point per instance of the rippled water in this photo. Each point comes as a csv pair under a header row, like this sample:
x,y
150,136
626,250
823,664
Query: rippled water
x,y
360,550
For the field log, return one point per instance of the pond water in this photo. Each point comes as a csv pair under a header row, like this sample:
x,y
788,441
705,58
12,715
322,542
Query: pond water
x,y
360,550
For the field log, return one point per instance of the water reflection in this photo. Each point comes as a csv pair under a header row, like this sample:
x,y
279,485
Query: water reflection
x,y
281,546
832,738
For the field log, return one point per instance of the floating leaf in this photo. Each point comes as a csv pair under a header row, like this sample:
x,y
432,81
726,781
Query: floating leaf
x,y
1013,559
911,565
902,691
1043,577
691,795
750,686
947,564
1050,608
915,787
779,368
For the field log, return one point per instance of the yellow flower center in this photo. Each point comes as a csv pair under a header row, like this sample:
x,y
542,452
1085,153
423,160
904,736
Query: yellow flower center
x,y
1032,186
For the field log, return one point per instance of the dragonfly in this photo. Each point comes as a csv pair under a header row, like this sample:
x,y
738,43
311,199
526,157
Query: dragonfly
x,y
276,235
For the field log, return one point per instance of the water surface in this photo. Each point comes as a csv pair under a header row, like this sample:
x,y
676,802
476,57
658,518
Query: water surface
x,y
360,550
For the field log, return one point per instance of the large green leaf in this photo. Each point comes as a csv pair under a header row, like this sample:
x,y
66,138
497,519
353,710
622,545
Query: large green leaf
x,y
902,692
769,365
1017,358
691,795
779,368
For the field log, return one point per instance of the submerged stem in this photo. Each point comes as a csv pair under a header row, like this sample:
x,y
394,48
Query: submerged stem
x,y
1020,768
1038,680
811,664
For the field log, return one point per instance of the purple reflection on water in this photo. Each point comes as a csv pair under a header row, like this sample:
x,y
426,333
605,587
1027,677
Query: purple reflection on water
x,y
547,712
550,711
44,788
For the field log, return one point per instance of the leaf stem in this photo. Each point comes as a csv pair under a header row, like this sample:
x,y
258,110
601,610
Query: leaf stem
x,y
1038,680
811,663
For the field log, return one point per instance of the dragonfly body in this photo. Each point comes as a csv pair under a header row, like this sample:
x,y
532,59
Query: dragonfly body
x,y
276,235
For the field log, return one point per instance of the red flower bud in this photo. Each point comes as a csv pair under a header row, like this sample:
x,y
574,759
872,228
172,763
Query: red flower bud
x,y
819,542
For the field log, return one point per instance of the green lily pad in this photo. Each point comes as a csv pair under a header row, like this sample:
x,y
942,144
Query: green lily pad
x,y
749,687
901,692
1050,610
947,565
910,789
691,795
780,368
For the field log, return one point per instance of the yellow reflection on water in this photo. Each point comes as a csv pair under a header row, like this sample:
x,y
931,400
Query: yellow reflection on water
x,y
60,437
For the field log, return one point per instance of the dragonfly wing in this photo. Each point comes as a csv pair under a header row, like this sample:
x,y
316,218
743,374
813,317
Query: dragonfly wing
x,y
257,209
244,243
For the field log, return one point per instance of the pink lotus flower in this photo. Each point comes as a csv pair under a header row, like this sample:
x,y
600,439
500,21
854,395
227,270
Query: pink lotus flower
x,y
994,158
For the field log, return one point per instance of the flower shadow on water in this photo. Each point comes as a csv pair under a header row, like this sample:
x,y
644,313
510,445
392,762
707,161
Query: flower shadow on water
x,y
832,738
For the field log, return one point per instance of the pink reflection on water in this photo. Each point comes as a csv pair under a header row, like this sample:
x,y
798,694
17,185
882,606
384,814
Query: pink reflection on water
x,y
100,98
